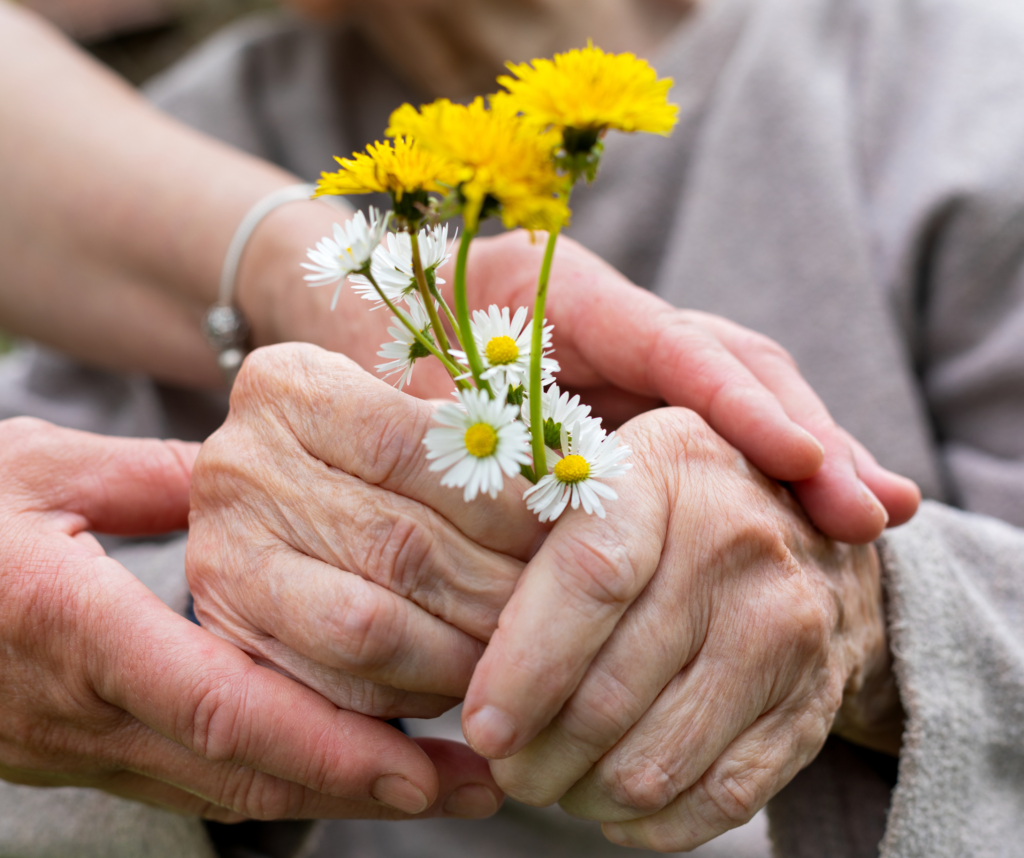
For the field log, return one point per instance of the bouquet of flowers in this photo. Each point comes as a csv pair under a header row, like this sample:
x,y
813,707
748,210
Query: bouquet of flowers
x,y
516,155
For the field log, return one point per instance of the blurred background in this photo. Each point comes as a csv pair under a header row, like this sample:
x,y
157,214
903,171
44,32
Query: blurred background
x,y
138,38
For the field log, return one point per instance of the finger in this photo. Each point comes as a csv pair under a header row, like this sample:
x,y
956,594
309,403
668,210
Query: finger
x,y
691,723
660,634
352,628
412,616
897,494
901,497
835,498
116,485
573,593
747,666
759,763
136,787
658,351
663,353
838,499
209,697
166,775
351,421
467,788
398,543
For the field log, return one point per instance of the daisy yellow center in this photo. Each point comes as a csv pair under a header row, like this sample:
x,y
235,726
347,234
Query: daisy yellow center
x,y
572,469
481,440
501,350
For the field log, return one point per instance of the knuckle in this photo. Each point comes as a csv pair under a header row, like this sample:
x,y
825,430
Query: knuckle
x,y
803,620
268,370
217,723
765,349
676,337
385,702
24,431
645,788
393,449
671,436
368,631
520,778
602,711
397,550
598,569
731,800
265,798
297,382
222,470
29,448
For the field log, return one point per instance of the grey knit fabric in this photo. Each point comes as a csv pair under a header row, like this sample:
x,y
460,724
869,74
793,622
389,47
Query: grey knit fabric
x,y
848,178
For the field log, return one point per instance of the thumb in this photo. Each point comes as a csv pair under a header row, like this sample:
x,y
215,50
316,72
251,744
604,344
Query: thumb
x,y
117,485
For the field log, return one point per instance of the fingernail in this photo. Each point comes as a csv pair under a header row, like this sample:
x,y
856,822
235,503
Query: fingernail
x,y
395,791
814,441
616,834
872,499
490,732
471,802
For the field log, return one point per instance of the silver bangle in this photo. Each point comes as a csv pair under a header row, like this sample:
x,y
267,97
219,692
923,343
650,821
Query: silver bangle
x,y
226,329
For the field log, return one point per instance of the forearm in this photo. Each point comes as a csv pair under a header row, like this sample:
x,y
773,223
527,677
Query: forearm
x,y
115,219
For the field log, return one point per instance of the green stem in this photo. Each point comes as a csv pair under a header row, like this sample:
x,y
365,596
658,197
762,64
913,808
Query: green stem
x,y
476,365
428,301
453,369
449,315
540,460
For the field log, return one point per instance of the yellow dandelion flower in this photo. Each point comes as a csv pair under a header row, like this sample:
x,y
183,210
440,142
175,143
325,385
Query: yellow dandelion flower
x,y
501,159
590,91
397,168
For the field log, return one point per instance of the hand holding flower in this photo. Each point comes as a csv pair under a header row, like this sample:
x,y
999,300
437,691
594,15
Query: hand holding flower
x,y
519,157
669,668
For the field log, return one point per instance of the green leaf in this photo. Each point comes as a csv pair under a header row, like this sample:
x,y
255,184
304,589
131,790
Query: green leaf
x,y
552,434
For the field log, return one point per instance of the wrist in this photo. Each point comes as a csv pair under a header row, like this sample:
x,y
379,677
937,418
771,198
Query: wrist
x,y
269,288
281,307
871,713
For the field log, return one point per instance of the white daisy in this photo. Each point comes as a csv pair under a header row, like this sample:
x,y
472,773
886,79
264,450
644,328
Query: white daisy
x,y
392,265
349,251
476,442
504,345
590,454
406,349
557,407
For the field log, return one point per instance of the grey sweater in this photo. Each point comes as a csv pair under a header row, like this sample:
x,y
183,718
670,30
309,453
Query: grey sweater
x,y
848,178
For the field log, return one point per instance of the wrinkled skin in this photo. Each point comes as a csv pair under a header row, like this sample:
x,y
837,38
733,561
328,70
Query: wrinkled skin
x,y
321,544
102,685
671,667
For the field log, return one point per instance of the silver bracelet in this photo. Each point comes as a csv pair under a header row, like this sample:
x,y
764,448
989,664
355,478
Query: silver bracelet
x,y
226,329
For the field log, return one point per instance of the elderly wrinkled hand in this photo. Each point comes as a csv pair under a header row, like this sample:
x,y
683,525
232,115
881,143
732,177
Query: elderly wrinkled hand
x,y
105,686
321,545
666,670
